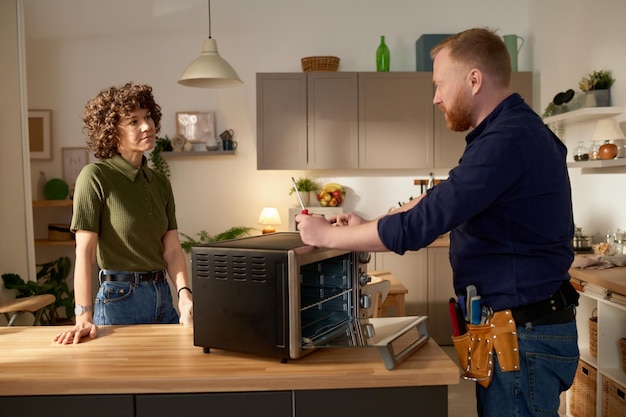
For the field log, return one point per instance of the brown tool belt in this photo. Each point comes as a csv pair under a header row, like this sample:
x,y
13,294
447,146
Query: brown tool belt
x,y
475,348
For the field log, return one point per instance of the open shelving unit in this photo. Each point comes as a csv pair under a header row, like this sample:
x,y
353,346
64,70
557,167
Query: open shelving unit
x,y
611,327
584,115
598,163
587,114
45,204
192,154
53,203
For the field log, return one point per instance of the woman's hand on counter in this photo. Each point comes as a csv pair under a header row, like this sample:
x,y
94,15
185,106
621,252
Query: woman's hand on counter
x,y
185,306
75,334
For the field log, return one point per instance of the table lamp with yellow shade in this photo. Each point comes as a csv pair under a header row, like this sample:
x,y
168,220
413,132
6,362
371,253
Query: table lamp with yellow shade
x,y
269,218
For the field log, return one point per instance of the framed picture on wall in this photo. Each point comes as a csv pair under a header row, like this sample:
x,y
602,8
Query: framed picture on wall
x,y
74,159
196,126
40,134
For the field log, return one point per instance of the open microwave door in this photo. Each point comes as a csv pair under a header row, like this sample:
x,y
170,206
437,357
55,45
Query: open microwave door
x,y
396,338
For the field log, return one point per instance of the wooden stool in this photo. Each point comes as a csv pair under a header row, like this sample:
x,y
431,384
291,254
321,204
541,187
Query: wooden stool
x,y
395,297
35,304
377,289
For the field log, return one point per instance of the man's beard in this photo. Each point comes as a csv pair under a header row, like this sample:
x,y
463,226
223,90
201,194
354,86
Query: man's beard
x,y
458,116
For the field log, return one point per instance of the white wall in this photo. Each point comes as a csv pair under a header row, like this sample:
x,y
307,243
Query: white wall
x,y
14,175
71,60
71,56
570,39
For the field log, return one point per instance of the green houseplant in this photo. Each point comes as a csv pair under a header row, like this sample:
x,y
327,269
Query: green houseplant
x,y
158,162
305,186
204,237
51,279
597,86
597,80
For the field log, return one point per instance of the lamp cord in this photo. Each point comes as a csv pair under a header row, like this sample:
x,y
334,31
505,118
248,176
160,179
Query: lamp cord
x,y
209,19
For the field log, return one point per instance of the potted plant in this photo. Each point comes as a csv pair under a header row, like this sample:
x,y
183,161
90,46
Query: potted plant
x,y
158,162
204,237
597,86
305,186
51,279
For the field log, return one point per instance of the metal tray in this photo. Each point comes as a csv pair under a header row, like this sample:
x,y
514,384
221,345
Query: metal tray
x,y
396,338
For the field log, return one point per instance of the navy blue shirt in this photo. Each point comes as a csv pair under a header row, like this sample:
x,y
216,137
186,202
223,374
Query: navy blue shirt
x,y
507,206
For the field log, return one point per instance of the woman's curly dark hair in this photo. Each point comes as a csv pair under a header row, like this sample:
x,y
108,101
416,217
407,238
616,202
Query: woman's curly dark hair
x,y
103,114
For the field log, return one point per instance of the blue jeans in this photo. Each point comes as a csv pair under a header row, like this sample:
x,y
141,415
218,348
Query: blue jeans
x,y
548,360
129,303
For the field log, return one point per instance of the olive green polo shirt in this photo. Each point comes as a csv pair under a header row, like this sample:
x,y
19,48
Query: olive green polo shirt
x,y
129,208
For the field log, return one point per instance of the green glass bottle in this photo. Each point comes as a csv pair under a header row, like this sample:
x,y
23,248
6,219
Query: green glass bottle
x,y
382,56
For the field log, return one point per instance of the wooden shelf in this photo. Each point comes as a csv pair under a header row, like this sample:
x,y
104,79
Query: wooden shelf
x,y
584,114
192,154
598,163
46,242
52,203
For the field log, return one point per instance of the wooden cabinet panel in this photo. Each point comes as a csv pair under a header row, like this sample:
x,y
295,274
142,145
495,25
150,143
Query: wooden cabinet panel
x,y
281,121
411,270
427,275
228,404
68,406
449,146
395,120
440,289
372,402
333,133
522,83
349,120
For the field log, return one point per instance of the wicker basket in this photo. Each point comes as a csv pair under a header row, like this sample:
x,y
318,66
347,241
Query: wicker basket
x,y
320,63
583,392
622,345
593,334
613,401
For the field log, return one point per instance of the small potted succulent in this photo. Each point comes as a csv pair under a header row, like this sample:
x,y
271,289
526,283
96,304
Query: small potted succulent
x,y
597,86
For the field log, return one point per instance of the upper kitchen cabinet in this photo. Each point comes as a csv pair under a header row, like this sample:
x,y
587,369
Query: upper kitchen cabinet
x,y
281,121
344,120
333,131
307,120
449,145
349,120
395,120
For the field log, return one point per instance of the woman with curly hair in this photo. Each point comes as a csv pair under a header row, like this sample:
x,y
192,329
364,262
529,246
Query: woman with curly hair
x,y
124,221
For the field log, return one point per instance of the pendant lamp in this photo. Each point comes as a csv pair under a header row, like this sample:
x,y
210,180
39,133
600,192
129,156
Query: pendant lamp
x,y
210,70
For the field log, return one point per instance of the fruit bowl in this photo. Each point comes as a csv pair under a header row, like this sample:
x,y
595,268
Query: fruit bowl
x,y
331,195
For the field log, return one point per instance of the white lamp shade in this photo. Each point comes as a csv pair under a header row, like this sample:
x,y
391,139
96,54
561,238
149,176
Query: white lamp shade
x,y
607,129
210,70
269,216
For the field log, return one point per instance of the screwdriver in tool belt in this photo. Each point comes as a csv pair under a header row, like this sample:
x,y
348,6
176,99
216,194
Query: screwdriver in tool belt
x,y
295,187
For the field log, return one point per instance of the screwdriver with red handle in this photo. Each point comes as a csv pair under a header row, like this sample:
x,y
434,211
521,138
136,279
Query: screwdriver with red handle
x,y
295,187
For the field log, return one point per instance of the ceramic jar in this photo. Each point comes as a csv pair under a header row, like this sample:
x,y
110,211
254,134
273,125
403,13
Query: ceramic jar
x,y
607,150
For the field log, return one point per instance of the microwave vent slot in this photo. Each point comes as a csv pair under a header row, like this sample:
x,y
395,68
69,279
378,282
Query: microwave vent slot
x,y
235,267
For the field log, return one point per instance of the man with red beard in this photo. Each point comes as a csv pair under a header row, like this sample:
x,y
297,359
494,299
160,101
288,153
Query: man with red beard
x,y
508,208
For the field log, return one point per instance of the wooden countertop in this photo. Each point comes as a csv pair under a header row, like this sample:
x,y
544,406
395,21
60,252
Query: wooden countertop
x,y
162,359
613,279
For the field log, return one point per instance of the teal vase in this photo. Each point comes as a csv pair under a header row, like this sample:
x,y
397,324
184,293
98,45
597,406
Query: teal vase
x,y
382,56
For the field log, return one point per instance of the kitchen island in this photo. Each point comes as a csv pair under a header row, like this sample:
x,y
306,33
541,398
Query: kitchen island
x,y
155,370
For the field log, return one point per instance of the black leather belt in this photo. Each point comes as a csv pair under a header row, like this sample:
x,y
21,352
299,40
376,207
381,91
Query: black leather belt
x,y
136,277
557,309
